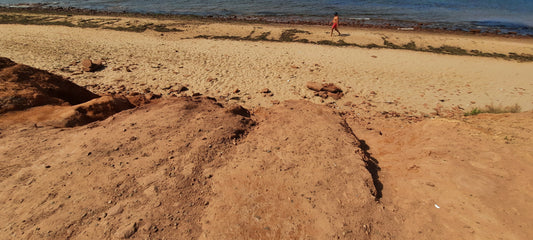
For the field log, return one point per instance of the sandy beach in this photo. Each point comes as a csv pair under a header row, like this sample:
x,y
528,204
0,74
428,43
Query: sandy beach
x,y
422,170
413,81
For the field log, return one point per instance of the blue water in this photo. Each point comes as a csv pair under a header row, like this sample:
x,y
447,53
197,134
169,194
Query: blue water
x,y
486,15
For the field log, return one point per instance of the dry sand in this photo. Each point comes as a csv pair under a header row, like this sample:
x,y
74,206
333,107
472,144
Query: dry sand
x,y
382,162
398,79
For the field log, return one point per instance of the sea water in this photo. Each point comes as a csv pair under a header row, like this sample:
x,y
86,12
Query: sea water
x,y
486,15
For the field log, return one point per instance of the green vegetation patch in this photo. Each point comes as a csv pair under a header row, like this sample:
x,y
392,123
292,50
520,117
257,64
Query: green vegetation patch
x,y
494,109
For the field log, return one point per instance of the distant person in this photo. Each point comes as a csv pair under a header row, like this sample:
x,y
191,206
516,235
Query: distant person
x,y
335,24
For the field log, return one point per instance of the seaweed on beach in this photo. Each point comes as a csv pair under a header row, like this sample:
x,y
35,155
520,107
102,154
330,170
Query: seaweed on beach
x,y
219,37
484,54
88,23
521,57
228,37
202,36
411,45
343,43
290,35
164,28
106,23
326,42
33,20
390,44
494,110
263,36
448,50
139,28
452,50
249,37
371,45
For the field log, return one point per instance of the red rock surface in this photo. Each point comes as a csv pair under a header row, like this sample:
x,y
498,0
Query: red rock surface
x,y
24,87
194,168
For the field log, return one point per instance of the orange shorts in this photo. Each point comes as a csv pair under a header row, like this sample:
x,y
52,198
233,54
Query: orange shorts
x,y
334,26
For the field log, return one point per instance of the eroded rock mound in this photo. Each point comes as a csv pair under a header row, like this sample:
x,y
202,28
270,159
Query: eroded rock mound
x,y
23,87
190,168
48,99
146,174
299,173
94,110
68,116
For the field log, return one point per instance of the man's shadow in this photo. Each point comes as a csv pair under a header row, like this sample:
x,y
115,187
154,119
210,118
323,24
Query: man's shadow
x,y
341,35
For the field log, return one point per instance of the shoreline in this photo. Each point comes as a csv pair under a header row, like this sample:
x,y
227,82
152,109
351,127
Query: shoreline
x,y
381,71
291,32
363,23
